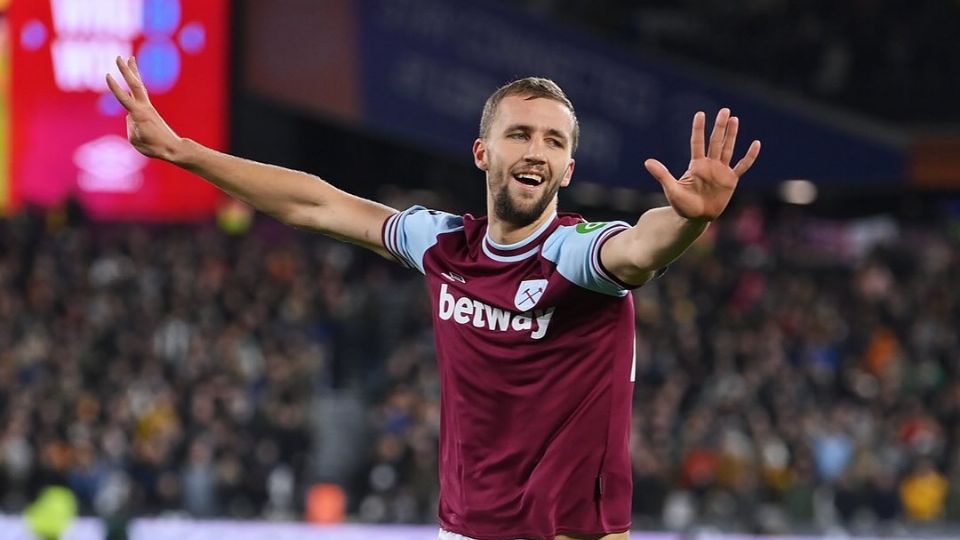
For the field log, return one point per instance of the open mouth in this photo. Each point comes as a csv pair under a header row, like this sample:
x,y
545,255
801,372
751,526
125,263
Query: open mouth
x,y
529,179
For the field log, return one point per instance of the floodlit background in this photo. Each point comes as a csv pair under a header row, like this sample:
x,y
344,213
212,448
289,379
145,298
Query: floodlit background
x,y
185,367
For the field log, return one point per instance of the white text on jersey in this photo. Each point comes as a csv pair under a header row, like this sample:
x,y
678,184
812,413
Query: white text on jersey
x,y
469,311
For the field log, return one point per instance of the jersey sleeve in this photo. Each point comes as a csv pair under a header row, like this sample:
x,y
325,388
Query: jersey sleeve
x,y
409,234
575,249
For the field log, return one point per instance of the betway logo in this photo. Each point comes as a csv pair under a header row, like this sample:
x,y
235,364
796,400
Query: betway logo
x,y
469,311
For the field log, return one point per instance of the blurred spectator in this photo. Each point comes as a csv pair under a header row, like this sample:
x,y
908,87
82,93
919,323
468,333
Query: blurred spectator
x,y
199,480
884,500
52,513
924,492
832,447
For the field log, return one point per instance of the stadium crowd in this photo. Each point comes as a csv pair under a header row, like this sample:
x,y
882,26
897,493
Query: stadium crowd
x,y
151,371
791,372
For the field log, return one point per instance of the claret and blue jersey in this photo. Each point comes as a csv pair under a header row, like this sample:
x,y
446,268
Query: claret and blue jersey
x,y
535,347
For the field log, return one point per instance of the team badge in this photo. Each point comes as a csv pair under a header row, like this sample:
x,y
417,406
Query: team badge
x,y
587,228
529,293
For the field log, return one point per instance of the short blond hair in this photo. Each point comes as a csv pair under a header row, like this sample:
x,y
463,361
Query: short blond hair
x,y
531,88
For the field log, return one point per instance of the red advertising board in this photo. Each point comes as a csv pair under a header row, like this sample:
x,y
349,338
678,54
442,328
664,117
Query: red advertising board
x,y
68,132
4,107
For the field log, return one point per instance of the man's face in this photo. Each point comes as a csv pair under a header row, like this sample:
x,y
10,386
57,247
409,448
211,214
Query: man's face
x,y
527,157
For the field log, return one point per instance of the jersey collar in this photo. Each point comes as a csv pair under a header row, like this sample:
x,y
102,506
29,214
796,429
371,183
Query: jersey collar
x,y
521,250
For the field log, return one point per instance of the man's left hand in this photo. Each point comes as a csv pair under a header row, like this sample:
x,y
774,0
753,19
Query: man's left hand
x,y
706,187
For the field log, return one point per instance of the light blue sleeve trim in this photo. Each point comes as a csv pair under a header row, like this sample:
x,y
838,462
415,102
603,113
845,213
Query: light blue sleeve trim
x,y
409,234
577,255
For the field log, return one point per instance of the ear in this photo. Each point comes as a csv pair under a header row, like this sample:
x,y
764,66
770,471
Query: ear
x,y
480,154
568,175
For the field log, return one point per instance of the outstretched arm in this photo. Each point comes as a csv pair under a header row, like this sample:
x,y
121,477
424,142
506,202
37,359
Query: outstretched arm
x,y
294,197
697,198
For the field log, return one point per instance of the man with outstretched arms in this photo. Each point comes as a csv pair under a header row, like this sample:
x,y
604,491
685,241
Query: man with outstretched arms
x,y
532,311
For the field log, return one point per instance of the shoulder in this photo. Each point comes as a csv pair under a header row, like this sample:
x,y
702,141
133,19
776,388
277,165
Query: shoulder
x,y
407,235
420,216
576,232
574,247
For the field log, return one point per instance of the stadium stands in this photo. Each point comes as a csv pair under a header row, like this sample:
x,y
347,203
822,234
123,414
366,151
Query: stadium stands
x,y
894,59
793,372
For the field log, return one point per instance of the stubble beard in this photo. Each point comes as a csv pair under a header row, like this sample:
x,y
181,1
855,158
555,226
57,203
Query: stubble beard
x,y
506,208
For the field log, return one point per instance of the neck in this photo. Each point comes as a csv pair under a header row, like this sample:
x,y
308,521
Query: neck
x,y
503,232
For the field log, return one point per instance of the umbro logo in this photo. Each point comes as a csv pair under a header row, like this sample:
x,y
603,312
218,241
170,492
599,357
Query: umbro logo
x,y
450,276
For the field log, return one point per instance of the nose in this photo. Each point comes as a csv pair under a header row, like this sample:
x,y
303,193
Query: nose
x,y
535,150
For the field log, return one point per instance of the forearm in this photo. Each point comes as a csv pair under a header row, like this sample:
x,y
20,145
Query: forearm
x,y
280,192
660,236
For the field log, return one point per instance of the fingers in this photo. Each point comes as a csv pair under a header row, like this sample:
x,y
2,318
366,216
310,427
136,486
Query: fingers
x,y
747,161
132,64
718,134
696,136
730,140
132,76
122,96
660,173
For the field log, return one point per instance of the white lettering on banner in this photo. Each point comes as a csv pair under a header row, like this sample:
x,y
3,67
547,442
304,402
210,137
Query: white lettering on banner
x,y
90,35
79,65
118,19
465,310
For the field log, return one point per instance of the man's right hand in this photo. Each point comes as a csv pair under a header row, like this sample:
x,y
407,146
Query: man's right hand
x,y
146,129
296,198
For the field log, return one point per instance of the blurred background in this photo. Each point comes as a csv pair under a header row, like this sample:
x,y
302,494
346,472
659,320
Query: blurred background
x,y
178,362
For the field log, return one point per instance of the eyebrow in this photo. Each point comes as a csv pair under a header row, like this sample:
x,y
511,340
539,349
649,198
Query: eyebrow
x,y
550,131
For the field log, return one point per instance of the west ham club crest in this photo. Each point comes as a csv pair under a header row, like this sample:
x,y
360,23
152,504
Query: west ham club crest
x,y
529,293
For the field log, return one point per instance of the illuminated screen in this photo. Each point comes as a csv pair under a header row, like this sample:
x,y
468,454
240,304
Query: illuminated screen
x,y
68,131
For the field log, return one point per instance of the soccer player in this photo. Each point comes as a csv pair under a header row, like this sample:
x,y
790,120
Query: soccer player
x,y
532,309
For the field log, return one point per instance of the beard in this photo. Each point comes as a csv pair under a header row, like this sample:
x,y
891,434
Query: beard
x,y
509,210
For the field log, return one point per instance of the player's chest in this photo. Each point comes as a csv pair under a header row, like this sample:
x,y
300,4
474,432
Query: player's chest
x,y
503,300
519,287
